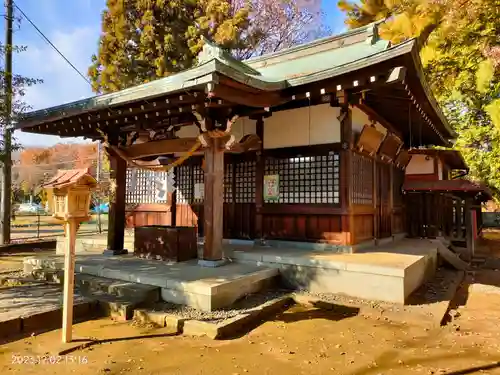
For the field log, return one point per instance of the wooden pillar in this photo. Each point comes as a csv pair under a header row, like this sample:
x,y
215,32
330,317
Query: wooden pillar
x,y
376,224
346,168
213,204
173,202
116,217
391,197
70,228
470,228
259,181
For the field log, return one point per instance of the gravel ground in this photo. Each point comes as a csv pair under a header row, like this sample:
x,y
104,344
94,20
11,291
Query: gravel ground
x,y
17,278
240,307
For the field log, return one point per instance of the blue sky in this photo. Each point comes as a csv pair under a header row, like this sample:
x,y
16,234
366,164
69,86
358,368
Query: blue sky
x,y
73,26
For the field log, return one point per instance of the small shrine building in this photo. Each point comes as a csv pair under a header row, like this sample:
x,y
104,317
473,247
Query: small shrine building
x,y
309,144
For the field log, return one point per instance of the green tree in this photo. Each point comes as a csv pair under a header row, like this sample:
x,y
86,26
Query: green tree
x,y
19,86
461,55
146,39
143,40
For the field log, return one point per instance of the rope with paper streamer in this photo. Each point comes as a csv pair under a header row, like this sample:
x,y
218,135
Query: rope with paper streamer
x,y
201,141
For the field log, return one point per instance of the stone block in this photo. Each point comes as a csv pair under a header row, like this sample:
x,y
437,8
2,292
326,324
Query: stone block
x,y
198,328
195,300
43,321
10,327
175,323
117,310
356,284
145,316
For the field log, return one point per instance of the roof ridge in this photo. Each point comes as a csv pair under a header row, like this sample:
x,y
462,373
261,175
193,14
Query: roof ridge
x,y
371,31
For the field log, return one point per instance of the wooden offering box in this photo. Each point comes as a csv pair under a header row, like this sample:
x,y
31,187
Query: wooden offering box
x,y
174,244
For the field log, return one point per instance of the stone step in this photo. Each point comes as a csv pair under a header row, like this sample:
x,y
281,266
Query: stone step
x,y
123,289
88,284
118,308
115,298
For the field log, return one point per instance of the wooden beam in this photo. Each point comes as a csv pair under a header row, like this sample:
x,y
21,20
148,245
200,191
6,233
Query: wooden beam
x,y
374,115
156,148
214,201
250,142
263,99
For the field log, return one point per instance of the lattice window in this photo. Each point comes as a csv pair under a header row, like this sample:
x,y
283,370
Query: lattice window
x,y
228,183
184,181
245,182
311,179
198,178
362,179
144,186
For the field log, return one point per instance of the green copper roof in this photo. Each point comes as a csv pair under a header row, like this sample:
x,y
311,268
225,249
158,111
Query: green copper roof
x,y
311,62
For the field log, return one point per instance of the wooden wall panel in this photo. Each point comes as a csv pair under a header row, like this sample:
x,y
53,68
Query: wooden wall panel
x,y
398,221
147,214
363,228
306,228
187,216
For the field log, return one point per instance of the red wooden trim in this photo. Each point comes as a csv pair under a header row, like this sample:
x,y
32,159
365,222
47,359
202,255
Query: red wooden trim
x,y
362,209
150,207
421,177
300,209
294,152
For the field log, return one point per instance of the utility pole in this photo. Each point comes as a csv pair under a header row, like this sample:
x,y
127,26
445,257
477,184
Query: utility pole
x,y
7,132
98,179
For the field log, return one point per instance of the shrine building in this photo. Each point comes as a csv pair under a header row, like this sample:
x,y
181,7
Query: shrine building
x,y
315,146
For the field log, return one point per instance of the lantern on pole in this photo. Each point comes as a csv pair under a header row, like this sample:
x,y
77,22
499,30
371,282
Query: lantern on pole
x,y
70,192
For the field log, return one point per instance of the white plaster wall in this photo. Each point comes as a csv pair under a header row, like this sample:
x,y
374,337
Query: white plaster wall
x,y
419,165
242,127
302,127
189,131
360,119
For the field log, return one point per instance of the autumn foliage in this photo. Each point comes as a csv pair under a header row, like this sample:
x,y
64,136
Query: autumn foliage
x,y
34,165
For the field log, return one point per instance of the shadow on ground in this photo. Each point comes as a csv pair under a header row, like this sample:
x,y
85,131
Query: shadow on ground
x,y
91,342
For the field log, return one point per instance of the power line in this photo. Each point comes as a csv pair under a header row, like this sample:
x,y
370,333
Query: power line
x,y
50,43
54,163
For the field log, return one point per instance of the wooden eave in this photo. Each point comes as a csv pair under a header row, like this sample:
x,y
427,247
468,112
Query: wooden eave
x,y
222,82
451,158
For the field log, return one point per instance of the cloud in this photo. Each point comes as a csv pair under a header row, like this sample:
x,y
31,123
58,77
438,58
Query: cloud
x,y
62,84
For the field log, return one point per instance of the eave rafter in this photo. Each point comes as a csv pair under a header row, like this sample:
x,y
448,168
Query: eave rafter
x,y
179,109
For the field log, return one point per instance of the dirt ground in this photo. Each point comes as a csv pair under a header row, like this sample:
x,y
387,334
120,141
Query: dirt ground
x,y
298,341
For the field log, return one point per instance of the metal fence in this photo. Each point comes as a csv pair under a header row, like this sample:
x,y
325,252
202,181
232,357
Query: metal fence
x,y
29,226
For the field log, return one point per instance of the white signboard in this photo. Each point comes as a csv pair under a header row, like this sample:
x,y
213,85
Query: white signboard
x,y
199,191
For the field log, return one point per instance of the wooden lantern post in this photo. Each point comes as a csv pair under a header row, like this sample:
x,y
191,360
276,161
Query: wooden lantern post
x,y
71,201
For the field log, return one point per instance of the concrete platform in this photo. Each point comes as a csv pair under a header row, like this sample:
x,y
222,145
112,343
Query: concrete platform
x,y
92,243
387,273
182,283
